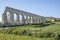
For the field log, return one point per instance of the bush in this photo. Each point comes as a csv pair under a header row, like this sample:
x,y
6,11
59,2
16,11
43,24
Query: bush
x,y
28,32
45,34
57,37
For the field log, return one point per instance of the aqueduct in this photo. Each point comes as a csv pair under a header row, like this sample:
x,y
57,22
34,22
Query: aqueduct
x,y
22,17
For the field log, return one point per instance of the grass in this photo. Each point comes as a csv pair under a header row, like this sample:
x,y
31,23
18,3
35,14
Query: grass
x,y
47,30
17,37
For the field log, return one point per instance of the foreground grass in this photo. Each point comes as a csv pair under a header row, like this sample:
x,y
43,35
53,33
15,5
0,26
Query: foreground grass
x,y
16,37
48,31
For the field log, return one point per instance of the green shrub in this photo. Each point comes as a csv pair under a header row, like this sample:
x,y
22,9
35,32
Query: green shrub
x,y
57,37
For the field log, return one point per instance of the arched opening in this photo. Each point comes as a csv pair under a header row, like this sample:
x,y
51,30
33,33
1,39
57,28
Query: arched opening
x,y
15,18
8,18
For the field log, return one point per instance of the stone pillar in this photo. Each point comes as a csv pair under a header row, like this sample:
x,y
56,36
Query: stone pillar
x,y
3,21
37,20
33,20
18,19
40,20
27,19
11,20
23,19
43,20
4,18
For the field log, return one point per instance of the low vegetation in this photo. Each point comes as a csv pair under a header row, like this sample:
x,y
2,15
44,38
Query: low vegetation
x,y
42,31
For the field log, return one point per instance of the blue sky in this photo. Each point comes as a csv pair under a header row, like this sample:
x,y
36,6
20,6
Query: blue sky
x,y
39,7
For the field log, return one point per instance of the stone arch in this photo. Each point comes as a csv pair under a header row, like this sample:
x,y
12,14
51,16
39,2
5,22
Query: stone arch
x,y
15,18
8,17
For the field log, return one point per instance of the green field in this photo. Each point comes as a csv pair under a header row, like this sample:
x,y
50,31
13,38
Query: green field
x,y
43,31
